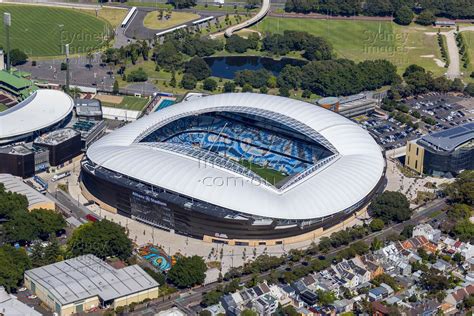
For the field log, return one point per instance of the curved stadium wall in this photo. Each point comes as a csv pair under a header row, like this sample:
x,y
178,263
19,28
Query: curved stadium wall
x,y
157,194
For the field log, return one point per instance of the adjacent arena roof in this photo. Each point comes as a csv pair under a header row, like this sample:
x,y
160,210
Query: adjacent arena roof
x,y
331,187
42,109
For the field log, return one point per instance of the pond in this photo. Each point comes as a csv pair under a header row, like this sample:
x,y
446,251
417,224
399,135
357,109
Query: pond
x,y
226,67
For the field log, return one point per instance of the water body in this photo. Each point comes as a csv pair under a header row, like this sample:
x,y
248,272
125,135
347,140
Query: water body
x,y
226,67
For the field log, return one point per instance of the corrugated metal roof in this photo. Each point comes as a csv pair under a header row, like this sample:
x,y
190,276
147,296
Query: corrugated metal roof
x,y
88,276
15,184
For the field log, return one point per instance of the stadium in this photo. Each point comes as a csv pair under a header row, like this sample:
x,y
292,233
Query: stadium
x,y
240,169
41,112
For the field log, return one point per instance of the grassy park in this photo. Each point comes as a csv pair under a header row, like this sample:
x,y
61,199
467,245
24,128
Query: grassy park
x,y
43,31
112,16
153,21
469,37
3,107
123,102
361,40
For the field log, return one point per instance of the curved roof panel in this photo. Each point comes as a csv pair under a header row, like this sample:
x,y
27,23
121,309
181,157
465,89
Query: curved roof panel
x,y
40,110
338,185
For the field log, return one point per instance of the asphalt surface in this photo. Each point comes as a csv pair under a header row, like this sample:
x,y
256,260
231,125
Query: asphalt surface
x,y
194,296
136,29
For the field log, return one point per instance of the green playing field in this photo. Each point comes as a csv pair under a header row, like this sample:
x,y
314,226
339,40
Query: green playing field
x,y
43,31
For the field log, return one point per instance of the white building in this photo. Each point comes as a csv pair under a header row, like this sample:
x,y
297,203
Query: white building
x,y
427,231
11,306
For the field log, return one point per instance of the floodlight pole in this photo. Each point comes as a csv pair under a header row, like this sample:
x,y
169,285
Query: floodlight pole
x,y
7,22
67,67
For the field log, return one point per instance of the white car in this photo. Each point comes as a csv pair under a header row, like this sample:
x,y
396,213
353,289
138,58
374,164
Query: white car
x,y
22,289
32,297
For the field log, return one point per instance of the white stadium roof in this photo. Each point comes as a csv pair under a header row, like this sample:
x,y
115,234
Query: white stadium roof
x,y
338,185
40,110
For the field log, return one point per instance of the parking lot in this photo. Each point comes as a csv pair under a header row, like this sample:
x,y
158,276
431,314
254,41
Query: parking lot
x,y
389,133
446,110
25,296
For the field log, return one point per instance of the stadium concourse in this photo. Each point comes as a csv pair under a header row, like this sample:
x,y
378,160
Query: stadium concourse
x,y
239,169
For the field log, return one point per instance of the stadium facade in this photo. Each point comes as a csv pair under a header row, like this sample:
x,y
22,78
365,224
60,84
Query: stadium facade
x,y
236,168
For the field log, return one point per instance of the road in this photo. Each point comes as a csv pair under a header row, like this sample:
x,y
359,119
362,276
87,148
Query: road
x,y
194,296
454,69
260,15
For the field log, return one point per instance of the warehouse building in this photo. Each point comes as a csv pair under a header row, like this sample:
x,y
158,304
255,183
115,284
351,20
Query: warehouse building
x,y
86,282
35,199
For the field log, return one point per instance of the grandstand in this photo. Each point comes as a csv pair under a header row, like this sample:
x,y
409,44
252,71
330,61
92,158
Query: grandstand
x,y
14,88
245,139
236,168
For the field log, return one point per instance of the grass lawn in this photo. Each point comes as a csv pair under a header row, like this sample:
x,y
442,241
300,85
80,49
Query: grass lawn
x,y
469,37
177,18
268,174
361,40
113,16
129,103
43,31
214,28
3,107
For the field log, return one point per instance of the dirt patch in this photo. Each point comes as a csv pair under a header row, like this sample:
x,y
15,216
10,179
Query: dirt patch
x,y
115,99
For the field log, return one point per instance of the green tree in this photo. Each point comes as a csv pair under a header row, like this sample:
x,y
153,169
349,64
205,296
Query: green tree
x,y
181,4
247,88
376,244
284,92
138,75
209,84
390,206
188,81
462,189
198,68
115,89
469,90
188,271
248,312
102,238
17,57
211,298
47,221
229,86
13,263
426,17
376,224
326,297
403,16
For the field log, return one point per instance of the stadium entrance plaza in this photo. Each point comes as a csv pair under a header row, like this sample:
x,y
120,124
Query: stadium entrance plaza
x,y
232,256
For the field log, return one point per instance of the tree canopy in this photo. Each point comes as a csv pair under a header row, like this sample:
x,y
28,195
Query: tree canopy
x,y
188,271
13,263
197,67
391,206
102,239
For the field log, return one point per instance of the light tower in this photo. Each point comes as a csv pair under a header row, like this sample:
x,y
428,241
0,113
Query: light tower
x,y
67,67
7,22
